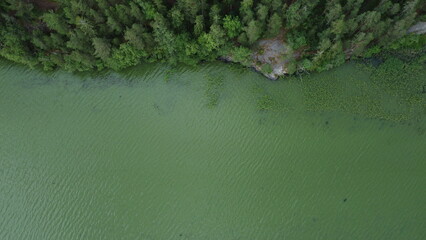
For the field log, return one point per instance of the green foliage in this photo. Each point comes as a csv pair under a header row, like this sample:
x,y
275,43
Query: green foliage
x,y
232,26
241,55
262,12
164,37
125,56
274,25
148,9
328,59
372,51
14,48
213,40
102,48
78,61
136,36
299,11
83,35
291,67
215,14
306,65
267,68
413,41
199,25
85,26
296,41
56,22
422,18
177,17
246,11
253,31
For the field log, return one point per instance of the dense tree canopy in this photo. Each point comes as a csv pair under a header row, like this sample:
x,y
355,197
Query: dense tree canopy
x,y
97,34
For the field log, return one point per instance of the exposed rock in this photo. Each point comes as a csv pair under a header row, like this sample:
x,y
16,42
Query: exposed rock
x,y
268,59
271,52
418,28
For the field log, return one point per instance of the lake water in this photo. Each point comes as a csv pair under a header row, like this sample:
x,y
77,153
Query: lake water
x,y
213,152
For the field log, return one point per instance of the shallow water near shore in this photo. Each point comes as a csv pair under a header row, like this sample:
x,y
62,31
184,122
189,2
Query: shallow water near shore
x,y
213,152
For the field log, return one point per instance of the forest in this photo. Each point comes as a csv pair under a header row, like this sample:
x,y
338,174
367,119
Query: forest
x,y
78,35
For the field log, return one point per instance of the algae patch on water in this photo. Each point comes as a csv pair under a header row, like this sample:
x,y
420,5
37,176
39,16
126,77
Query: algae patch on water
x,y
214,85
391,91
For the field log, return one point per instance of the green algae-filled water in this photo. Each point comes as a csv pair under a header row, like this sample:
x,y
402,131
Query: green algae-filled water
x,y
213,152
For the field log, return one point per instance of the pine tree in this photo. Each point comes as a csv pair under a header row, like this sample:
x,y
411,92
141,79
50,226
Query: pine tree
x,y
262,13
85,26
102,48
177,17
215,14
232,26
246,11
199,25
81,35
164,37
253,31
274,25
135,36
55,22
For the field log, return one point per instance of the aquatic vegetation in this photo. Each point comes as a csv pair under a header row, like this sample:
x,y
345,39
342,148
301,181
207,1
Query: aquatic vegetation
x,y
265,103
267,100
392,91
213,87
169,73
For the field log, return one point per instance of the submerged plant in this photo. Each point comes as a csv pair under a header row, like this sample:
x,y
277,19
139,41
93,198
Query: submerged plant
x,y
265,103
213,87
